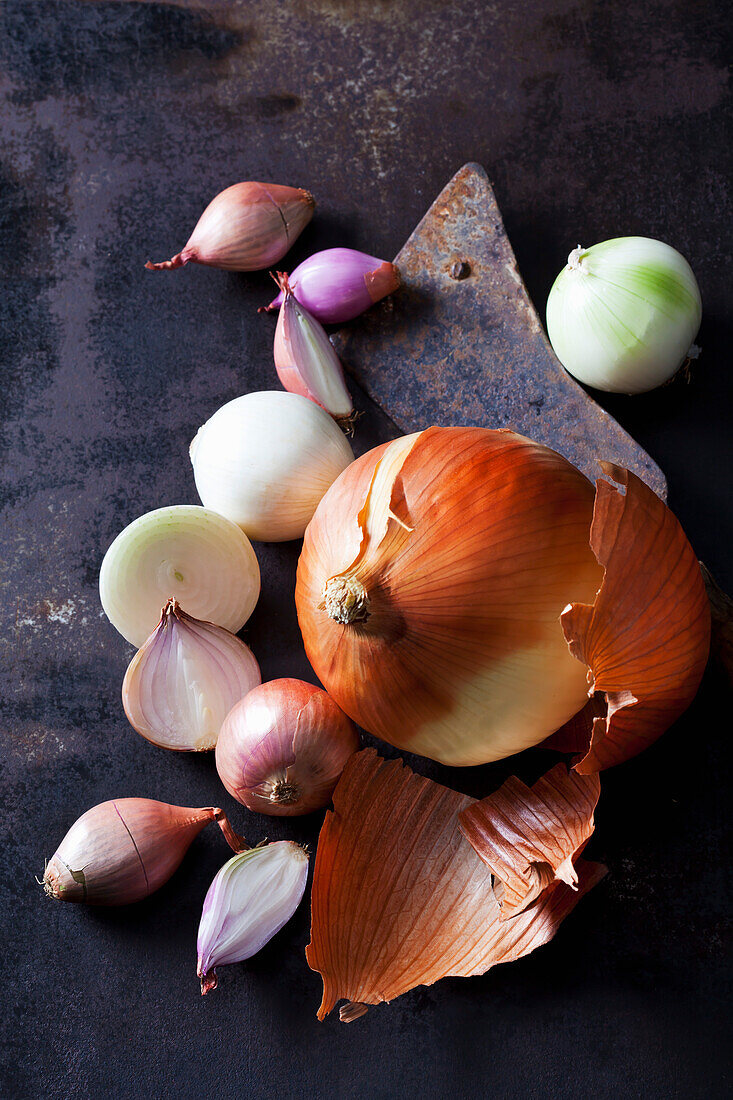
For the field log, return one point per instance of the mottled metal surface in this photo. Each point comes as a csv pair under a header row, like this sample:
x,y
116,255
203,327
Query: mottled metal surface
x,y
118,122
461,343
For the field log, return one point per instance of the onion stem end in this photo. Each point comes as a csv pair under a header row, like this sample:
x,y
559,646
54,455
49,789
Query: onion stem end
x,y
345,600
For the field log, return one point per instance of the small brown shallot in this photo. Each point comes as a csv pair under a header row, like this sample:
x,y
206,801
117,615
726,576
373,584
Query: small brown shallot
x,y
122,850
282,748
182,683
247,227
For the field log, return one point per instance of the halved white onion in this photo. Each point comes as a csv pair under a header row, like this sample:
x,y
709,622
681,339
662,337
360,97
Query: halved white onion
x,y
265,460
184,552
180,686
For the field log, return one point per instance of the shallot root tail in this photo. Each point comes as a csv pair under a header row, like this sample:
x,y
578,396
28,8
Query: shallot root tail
x,y
348,423
281,278
209,981
179,260
236,842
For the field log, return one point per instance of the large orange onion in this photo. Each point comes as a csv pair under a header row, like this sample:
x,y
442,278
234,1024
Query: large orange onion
x,y
430,588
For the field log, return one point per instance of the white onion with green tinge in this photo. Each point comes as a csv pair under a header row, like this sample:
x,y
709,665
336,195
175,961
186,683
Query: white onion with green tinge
x,y
622,315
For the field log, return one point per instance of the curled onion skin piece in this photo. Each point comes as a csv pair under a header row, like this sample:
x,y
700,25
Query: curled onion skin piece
x,y
246,227
182,552
400,897
283,747
529,837
180,686
454,551
646,637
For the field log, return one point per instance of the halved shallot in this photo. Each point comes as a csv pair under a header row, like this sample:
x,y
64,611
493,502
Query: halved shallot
x,y
180,686
305,359
530,837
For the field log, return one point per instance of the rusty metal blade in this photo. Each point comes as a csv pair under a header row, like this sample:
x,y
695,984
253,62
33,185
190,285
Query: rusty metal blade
x,y
461,342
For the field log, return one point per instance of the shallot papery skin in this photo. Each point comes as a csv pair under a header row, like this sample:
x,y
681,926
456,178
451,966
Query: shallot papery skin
x,y
282,748
305,359
438,596
339,284
183,681
400,898
249,901
247,227
122,850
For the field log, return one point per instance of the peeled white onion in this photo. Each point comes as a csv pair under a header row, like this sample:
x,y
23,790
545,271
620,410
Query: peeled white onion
x,y
180,686
622,315
265,460
184,552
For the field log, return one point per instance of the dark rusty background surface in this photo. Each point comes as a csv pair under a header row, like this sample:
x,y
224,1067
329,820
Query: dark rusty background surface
x,y
119,121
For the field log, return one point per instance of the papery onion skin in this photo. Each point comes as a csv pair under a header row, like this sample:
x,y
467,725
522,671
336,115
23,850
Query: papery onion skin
x,y
400,897
305,359
180,686
247,227
251,898
531,837
646,636
339,284
461,656
183,552
283,747
622,315
264,461
122,850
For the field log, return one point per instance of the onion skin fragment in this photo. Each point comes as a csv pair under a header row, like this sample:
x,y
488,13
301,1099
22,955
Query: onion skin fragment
x,y
400,897
529,838
305,359
455,550
646,638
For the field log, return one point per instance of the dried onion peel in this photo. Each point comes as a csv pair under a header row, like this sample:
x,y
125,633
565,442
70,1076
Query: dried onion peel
x,y
529,837
400,897
646,637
